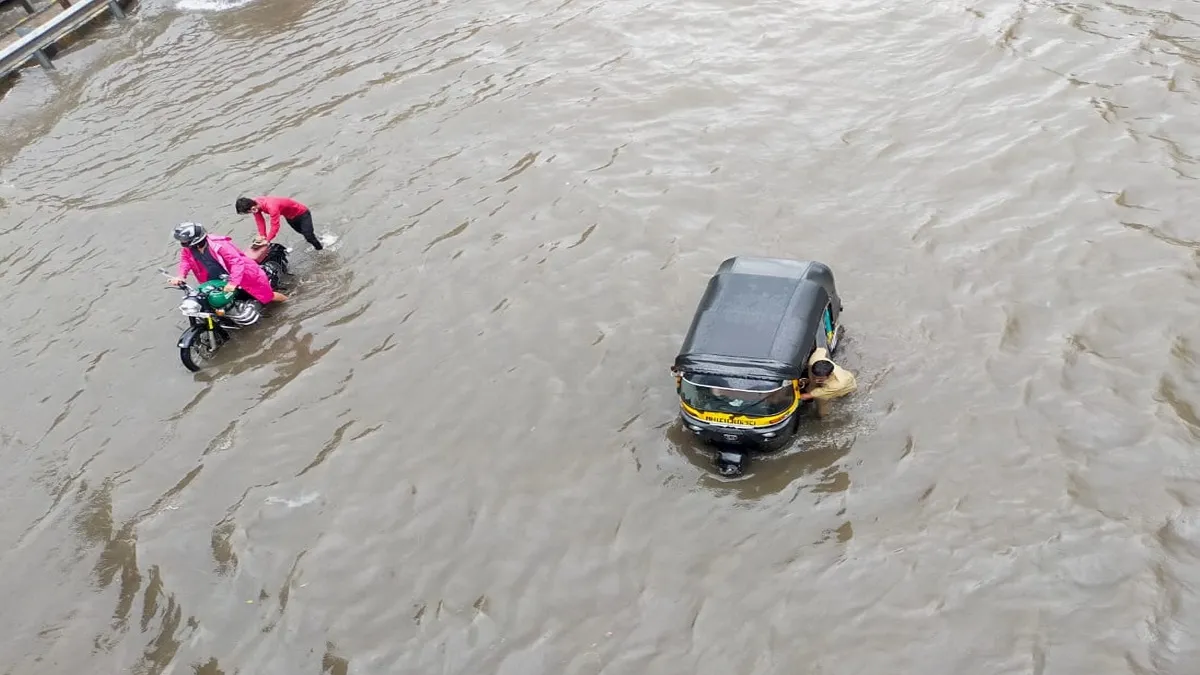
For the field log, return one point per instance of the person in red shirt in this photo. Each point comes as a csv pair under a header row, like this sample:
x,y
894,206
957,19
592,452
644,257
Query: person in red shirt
x,y
296,214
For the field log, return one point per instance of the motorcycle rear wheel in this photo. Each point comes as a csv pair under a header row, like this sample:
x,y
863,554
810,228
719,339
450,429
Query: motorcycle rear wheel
x,y
202,347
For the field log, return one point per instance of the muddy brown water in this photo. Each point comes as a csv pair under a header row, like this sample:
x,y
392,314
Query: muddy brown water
x,y
455,449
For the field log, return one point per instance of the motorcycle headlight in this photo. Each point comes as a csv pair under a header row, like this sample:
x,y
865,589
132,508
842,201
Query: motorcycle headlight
x,y
191,307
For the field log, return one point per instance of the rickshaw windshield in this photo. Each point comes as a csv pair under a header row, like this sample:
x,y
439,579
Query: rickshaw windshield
x,y
736,401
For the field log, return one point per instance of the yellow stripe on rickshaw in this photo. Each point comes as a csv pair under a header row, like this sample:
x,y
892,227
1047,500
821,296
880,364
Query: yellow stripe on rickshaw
x,y
740,420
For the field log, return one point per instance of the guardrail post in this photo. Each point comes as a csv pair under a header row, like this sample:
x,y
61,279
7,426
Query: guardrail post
x,y
40,55
115,8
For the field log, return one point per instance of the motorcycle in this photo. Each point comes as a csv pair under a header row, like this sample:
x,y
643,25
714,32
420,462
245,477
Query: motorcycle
x,y
213,314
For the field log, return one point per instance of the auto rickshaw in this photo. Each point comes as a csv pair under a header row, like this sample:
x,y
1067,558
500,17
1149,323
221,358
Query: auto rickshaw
x,y
744,360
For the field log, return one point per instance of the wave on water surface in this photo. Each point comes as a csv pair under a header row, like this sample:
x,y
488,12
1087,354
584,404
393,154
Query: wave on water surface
x,y
210,5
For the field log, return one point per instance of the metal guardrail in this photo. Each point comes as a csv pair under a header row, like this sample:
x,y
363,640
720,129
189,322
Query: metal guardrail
x,y
24,3
32,43
32,15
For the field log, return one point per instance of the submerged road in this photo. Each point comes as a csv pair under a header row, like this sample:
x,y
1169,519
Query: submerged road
x,y
455,449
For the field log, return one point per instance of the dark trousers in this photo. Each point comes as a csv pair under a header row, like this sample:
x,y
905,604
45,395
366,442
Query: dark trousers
x,y
304,225
240,295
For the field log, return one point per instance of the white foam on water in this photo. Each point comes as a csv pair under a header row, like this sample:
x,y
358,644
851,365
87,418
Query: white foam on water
x,y
293,503
328,239
210,5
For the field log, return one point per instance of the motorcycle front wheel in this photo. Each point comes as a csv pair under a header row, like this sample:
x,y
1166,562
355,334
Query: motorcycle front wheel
x,y
198,346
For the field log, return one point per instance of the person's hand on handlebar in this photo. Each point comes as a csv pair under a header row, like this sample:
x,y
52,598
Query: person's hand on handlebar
x,y
175,281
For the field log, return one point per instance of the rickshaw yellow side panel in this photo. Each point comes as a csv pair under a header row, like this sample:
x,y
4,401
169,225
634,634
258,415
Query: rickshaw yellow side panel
x,y
740,420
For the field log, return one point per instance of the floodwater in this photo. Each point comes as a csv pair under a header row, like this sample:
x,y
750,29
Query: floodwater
x,y
455,449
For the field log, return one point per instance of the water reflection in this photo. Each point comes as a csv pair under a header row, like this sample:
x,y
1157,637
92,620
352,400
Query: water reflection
x,y
816,451
256,19
210,667
331,663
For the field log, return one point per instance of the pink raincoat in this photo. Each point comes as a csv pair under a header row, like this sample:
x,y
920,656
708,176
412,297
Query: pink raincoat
x,y
243,272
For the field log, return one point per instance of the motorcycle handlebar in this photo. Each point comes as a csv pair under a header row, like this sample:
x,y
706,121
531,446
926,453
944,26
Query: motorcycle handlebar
x,y
183,285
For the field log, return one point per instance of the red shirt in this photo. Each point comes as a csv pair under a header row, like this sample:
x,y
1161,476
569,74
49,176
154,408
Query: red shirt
x,y
275,207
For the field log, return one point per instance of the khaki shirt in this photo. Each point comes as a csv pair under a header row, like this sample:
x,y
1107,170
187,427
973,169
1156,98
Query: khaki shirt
x,y
839,383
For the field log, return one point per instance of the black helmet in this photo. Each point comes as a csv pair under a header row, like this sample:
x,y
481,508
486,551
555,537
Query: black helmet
x,y
189,234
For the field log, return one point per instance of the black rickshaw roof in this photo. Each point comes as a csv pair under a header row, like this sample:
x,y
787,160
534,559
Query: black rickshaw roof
x,y
758,319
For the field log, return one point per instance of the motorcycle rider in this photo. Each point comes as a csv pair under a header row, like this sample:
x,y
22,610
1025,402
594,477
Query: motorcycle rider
x,y
208,256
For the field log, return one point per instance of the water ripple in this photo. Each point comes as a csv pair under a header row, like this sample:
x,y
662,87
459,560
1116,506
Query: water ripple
x,y
527,198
